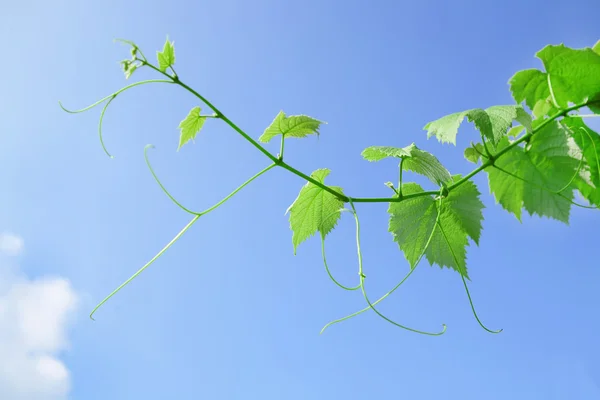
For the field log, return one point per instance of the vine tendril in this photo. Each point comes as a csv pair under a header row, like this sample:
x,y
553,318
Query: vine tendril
x,y
429,239
362,284
188,226
323,251
464,281
170,196
160,253
100,125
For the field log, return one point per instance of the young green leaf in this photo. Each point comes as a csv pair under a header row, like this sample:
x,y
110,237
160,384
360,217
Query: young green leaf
x,y
297,126
572,76
546,163
412,220
515,131
190,126
166,57
596,47
314,209
129,67
414,159
474,152
493,122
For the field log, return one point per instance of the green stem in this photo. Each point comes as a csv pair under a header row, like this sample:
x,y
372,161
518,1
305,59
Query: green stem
x,y
281,148
487,151
342,197
400,178
282,164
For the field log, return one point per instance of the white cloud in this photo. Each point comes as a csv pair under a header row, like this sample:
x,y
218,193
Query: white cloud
x,y
34,315
10,244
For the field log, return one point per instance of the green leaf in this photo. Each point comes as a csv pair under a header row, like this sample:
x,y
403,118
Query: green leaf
x,y
492,122
572,76
546,163
529,85
473,153
166,57
412,220
414,159
190,126
515,131
596,47
378,153
129,67
297,126
314,209
130,70
588,147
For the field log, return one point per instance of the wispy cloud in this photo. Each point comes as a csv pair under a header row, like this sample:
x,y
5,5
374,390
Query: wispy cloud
x,y
34,315
10,244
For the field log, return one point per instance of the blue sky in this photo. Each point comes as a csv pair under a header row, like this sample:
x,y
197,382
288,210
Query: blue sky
x,y
229,312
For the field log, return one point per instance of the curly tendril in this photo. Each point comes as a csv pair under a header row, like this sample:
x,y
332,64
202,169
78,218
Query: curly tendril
x,y
323,251
362,283
135,46
110,98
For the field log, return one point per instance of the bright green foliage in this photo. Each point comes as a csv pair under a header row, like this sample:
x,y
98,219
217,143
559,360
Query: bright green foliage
x,y
572,76
492,122
412,220
314,209
546,167
378,153
536,165
588,144
129,67
414,159
515,131
166,57
297,126
474,152
190,126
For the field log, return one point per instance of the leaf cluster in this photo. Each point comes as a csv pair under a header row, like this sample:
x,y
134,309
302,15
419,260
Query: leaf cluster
x,y
537,153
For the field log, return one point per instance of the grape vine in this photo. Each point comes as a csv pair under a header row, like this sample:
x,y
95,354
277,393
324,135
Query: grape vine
x,y
537,165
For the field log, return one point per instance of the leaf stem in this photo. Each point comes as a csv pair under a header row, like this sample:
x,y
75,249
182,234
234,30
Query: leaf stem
x,y
281,148
400,177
